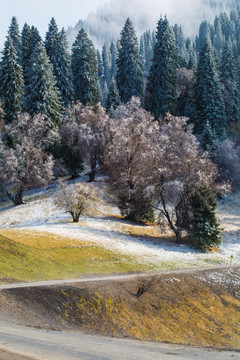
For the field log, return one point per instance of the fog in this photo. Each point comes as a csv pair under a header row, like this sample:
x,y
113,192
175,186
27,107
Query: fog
x,y
106,23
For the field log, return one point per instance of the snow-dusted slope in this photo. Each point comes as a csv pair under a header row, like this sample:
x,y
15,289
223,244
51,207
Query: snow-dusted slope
x,y
103,227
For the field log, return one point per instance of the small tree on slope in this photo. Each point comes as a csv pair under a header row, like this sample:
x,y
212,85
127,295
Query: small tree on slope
x,y
206,229
74,199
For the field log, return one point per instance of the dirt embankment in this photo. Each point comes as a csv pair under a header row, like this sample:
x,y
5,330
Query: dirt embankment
x,y
201,308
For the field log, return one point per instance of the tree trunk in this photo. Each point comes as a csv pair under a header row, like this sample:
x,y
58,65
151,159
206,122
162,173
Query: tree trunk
x,y
17,199
178,234
92,175
75,216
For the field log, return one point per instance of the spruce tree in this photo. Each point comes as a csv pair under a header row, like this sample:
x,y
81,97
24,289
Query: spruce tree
x,y
26,39
63,70
107,63
100,68
36,38
129,75
209,140
206,229
11,82
85,69
229,78
41,94
190,110
162,77
181,46
57,50
114,55
51,40
14,33
113,99
105,92
209,100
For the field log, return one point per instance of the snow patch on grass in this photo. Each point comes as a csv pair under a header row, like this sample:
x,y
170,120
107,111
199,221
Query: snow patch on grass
x,y
105,228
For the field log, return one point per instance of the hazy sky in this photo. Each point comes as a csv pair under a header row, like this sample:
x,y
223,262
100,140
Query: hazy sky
x,y
39,13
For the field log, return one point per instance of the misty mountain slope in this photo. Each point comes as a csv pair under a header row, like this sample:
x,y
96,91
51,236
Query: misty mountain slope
x,y
107,22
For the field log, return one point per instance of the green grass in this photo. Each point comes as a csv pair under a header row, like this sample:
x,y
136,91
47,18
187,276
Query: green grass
x,y
57,260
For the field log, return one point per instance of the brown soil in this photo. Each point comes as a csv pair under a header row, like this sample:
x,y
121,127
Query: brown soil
x,y
201,308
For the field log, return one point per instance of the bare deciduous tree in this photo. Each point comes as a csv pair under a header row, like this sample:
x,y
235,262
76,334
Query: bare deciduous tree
x,y
160,161
75,199
84,135
25,165
128,156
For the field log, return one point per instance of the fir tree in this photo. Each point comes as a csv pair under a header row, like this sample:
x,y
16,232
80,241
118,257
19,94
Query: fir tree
x,y
14,33
107,63
104,94
205,227
85,69
57,50
190,110
146,51
114,55
100,68
204,33
52,40
113,99
230,81
162,77
129,75
36,38
26,39
209,140
181,46
41,95
11,82
209,100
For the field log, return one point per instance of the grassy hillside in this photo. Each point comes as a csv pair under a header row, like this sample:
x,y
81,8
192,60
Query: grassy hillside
x,y
38,257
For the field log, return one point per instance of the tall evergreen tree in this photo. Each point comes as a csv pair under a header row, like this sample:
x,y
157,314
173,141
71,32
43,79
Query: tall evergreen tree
x,y
107,63
113,99
14,33
11,81
129,75
57,50
63,70
26,39
85,69
146,51
183,57
41,94
230,80
52,40
36,38
209,100
162,77
114,55
100,68
204,32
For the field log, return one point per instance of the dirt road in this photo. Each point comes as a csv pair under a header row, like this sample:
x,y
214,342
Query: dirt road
x,y
54,345
108,278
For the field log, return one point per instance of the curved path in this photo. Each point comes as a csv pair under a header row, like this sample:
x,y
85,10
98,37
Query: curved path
x,y
121,277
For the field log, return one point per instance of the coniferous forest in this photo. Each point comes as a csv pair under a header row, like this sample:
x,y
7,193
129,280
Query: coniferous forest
x,y
160,115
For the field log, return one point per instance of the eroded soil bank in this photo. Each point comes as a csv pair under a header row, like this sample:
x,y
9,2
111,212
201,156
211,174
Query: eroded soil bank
x,y
200,308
